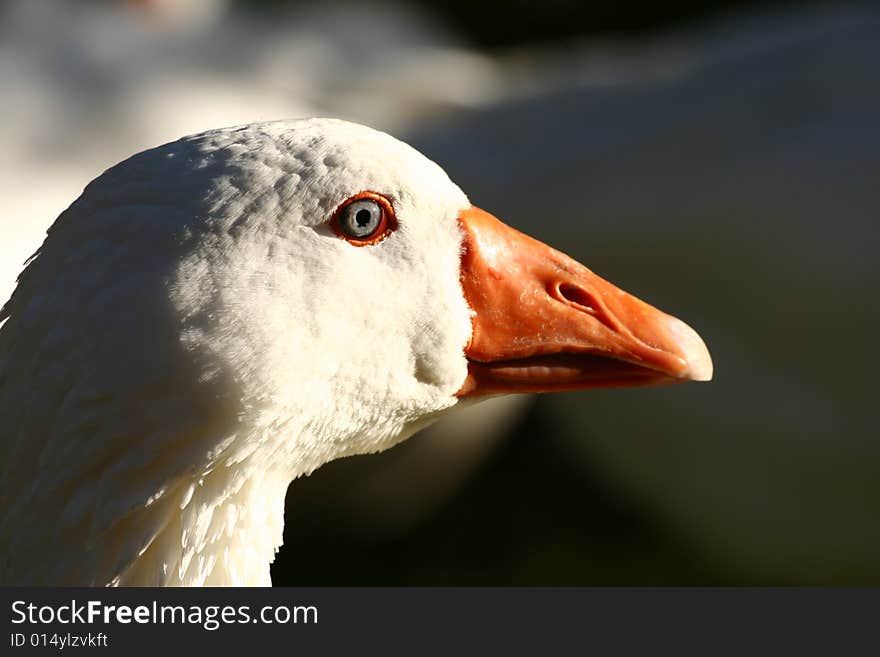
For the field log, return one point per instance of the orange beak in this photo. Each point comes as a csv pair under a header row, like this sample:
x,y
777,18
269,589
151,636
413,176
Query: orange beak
x,y
543,322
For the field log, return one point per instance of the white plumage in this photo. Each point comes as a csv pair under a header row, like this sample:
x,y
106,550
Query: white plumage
x,y
193,335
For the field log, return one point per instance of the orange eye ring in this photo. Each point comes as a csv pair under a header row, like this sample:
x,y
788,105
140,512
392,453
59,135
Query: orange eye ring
x,y
387,222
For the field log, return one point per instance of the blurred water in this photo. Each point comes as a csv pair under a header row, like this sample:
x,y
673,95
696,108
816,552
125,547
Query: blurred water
x,y
726,173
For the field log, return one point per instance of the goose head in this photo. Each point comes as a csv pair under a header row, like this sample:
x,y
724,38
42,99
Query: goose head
x,y
222,314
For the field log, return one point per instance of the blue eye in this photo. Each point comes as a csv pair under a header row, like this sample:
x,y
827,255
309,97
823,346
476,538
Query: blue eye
x,y
361,219
365,218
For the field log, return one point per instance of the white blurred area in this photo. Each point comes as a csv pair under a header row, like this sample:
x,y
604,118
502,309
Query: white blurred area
x,y
726,172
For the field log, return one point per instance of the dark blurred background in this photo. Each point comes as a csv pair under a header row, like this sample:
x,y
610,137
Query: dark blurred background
x,y
497,24
718,159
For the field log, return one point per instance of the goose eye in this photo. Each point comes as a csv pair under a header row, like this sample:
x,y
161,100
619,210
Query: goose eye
x,y
361,218
364,219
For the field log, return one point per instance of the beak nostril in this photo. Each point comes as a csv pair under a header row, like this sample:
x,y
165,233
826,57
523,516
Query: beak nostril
x,y
577,296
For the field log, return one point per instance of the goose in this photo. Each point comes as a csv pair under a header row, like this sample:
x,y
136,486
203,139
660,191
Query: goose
x,y
217,316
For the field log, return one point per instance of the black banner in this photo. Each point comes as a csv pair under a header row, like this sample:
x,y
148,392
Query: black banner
x,y
450,621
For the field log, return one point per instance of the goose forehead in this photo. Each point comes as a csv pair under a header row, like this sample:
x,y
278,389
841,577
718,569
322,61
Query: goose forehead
x,y
318,163
355,150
